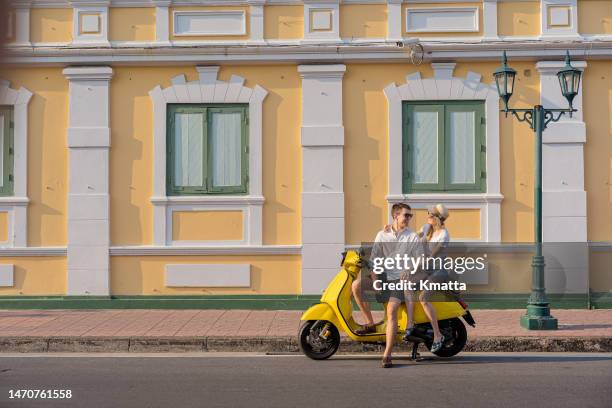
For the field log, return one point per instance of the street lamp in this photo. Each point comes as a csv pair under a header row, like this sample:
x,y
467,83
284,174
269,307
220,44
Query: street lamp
x,y
538,310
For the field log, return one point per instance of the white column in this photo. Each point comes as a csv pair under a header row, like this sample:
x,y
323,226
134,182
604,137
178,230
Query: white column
x,y
489,17
88,190
394,20
563,195
257,21
162,22
22,23
322,175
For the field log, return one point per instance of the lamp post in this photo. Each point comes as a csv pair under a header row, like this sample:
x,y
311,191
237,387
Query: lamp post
x,y
538,315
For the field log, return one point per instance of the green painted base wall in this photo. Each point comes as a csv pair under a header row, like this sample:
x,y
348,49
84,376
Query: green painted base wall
x,y
274,302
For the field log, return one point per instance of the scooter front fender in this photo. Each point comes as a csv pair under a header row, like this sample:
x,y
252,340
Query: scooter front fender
x,y
321,311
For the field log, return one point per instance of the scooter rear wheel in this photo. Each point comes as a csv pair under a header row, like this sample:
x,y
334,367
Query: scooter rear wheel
x,y
456,343
313,345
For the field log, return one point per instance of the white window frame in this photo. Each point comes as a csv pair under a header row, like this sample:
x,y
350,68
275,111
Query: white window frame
x,y
446,87
17,205
208,89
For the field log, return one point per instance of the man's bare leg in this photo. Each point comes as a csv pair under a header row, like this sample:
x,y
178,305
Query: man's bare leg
x,y
362,301
391,332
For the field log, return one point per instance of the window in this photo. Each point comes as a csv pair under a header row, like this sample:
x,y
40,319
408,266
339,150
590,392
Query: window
x,y
207,149
443,147
6,151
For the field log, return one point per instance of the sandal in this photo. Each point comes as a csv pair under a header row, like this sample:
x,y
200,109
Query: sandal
x,y
386,362
437,345
366,329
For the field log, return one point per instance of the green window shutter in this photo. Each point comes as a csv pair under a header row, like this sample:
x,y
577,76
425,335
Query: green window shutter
x,y
7,151
443,147
464,140
423,153
227,150
207,151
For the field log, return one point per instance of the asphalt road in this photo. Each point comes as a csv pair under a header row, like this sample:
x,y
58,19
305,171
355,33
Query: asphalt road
x,y
250,380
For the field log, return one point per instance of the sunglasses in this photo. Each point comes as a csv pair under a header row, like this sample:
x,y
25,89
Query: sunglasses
x,y
408,216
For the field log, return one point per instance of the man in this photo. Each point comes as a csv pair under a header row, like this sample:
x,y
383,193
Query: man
x,y
399,241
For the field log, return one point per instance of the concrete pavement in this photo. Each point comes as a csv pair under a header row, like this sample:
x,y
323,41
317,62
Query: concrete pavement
x,y
237,380
262,330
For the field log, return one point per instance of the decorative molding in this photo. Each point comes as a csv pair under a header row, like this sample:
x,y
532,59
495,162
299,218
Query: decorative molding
x,y
445,86
208,89
209,23
559,19
296,52
22,23
6,275
156,250
33,251
90,23
321,20
16,205
208,275
442,20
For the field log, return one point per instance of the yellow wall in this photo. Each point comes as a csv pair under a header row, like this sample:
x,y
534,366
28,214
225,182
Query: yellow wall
x,y
518,18
600,280
366,149
595,17
597,105
3,226
363,21
413,6
283,22
132,24
36,276
209,37
207,225
47,152
131,159
50,25
508,273
276,274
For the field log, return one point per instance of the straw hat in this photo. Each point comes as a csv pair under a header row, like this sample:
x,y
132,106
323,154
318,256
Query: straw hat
x,y
439,210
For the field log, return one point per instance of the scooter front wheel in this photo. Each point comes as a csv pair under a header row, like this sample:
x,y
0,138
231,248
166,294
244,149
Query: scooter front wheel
x,y
318,341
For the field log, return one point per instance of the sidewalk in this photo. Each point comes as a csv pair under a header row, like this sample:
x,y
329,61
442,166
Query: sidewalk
x,y
265,331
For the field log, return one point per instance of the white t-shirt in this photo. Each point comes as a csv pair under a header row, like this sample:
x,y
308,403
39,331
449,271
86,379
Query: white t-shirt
x,y
390,244
442,236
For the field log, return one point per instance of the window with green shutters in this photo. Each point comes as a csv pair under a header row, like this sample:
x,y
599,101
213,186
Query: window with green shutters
x,y
443,147
207,149
6,153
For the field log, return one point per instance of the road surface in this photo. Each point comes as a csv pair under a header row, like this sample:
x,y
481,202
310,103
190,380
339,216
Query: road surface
x,y
253,380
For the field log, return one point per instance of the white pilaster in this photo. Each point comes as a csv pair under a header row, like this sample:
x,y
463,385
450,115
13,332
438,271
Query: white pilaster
x,y
162,22
394,20
489,16
22,22
563,193
257,21
322,174
88,189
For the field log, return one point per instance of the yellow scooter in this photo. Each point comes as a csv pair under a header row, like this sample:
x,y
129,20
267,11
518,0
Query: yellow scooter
x,y
319,336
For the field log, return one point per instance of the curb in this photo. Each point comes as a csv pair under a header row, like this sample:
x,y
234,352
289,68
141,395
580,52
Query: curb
x,y
279,344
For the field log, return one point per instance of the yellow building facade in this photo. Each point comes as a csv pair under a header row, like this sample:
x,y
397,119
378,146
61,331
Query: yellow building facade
x,y
167,148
